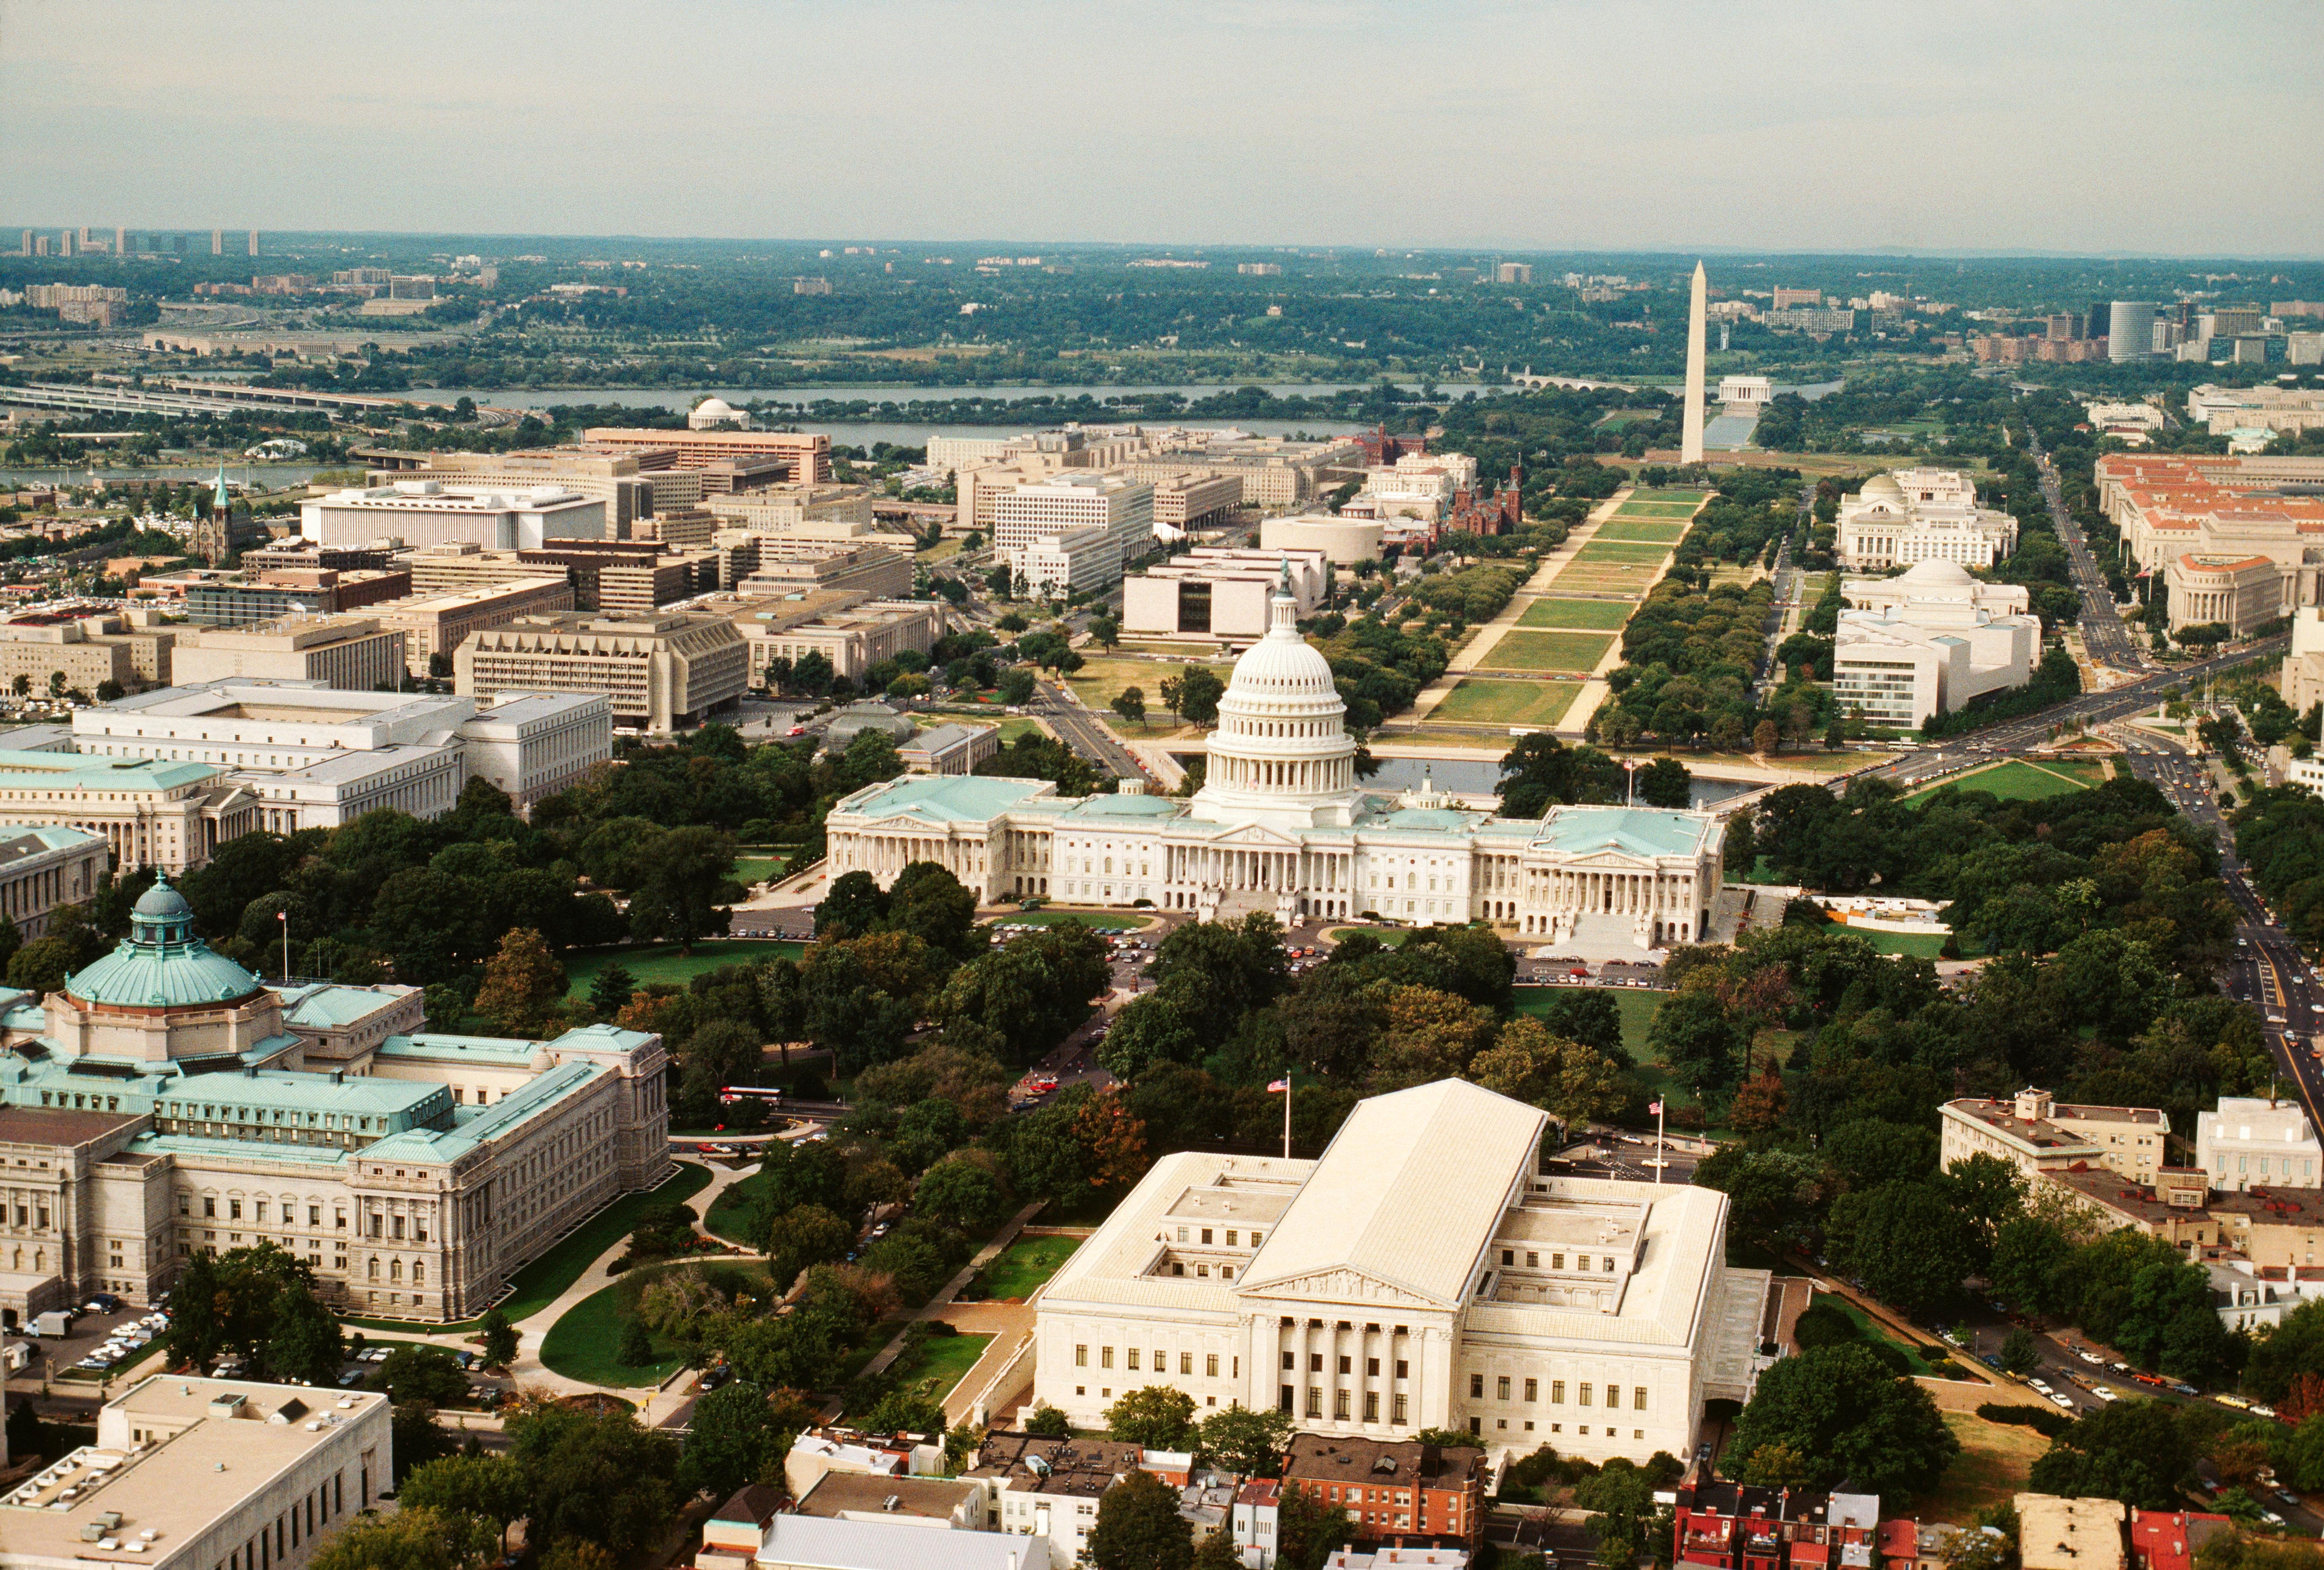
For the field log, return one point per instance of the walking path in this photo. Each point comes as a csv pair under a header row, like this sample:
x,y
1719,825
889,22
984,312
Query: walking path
x,y
941,1305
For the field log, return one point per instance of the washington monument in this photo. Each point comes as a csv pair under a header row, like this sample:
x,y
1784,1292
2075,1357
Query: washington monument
x,y
1690,438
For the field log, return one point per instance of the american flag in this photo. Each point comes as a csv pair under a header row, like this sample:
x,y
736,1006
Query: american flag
x,y
1280,1084
1657,1108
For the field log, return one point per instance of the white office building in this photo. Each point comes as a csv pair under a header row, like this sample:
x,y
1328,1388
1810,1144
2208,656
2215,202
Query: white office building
x,y
430,512
316,757
1424,1273
1073,530
2257,1142
1920,515
1927,641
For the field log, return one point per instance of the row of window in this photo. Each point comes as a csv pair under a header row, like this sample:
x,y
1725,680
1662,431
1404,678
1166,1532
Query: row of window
x,y
1342,1404
1232,1232
1161,1360
1556,1261
1347,1365
297,1525
1583,1388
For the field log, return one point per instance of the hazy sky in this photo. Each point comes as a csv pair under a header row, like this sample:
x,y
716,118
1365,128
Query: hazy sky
x,y
2128,126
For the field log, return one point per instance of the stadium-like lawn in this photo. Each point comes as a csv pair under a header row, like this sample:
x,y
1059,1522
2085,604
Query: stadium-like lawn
x,y
1547,651
1619,550
1647,533
1475,702
667,962
2015,780
1584,615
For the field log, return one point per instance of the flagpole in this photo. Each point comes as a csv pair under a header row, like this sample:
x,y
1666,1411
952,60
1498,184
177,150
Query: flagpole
x,y
1662,1157
1286,1115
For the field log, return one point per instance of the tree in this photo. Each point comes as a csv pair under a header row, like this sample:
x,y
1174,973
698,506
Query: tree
x,y
612,988
1906,1240
2020,1353
1131,704
410,1539
1764,738
1104,631
523,983
1588,1014
801,1237
304,1343
422,1373
1622,1493
1572,1082
685,879
605,1479
1308,1530
1698,1038
635,1348
1139,1527
1048,1422
1200,689
490,1486
1017,686
1246,1441
1155,1417
500,1339
736,1438
2142,1453
962,1192
416,1436
1666,783
1849,1418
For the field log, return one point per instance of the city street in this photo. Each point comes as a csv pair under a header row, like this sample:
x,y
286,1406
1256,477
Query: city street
x,y
2109,641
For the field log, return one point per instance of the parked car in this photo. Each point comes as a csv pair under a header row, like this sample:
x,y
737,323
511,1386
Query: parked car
x,y
2065,1401
350,1378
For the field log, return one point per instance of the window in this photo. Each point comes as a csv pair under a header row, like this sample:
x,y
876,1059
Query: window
x,y
1210,1364
1586,1393
314,1215
1290,1362
1396,1408
1638,1398
1105,1357
209,1205
233,1209
1477,1387
1256,1239
1557,1262
1314,1401
1372,1368
1231,1237
1607,1264
1403,1369
1347,1365
1283,1402
1533,1390
1133,1360
1314,1363
1339,1406
1613,1395
1371,1405
1532,1260
1508,1256
1206,1234
1501,1387
1081,1356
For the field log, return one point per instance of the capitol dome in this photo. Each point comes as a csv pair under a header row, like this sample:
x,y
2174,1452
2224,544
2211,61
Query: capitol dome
x,y
1882,488
1281,753
161,964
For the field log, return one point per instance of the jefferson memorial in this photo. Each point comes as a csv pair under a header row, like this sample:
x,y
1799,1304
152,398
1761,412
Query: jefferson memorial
x,y
1283,825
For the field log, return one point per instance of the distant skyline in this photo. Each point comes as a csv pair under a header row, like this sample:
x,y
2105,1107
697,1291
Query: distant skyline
x,y
2134,129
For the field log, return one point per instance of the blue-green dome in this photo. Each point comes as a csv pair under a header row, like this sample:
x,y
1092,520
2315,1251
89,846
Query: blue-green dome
x,y
161,964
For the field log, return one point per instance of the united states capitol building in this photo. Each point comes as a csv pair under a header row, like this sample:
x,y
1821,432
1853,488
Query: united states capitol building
x,y
167,1101
1283,825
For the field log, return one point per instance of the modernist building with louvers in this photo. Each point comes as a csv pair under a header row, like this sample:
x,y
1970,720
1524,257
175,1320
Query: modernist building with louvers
x,y
167,1100
1283,824
1424,1275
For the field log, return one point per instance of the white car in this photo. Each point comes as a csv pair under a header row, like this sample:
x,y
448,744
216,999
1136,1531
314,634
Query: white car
x,y
2040,1385
2105,1392
2065,1401
2089,1356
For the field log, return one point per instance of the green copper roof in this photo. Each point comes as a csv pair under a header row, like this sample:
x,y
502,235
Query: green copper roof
x,y
77,771
1637,830
947,798
162,963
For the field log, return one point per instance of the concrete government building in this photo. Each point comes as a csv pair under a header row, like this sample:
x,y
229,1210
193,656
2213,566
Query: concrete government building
x,y
166,1100
1283,825
1422,1274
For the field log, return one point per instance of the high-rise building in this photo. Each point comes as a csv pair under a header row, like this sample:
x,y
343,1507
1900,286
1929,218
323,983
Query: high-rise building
x,y
1513,273
2130,330
217,242
120,241
253,241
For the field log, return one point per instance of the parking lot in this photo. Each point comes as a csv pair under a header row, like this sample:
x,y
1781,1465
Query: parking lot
x,y
92,1329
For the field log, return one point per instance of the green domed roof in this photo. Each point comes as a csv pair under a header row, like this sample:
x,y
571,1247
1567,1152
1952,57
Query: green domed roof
x,y
161,964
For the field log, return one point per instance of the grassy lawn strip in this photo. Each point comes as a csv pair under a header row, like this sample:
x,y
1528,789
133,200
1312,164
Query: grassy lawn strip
x,y
1584,615
1390,937
1872,1332
544,1281
2013,781
939,1363
1547,651
1995,1462
1919,945
1616,550
1653,533
664,962
1096,921
581,1345
1024,1265
1650,493
1491,703
750,869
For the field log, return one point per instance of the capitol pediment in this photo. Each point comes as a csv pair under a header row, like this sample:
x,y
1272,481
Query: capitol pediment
x,y
1255,836
1344,1284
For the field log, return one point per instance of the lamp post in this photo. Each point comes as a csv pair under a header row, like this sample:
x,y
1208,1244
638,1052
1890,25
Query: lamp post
x,y
283,916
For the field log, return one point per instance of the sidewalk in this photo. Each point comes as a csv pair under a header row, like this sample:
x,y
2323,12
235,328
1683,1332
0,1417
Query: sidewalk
x,y
940,1306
